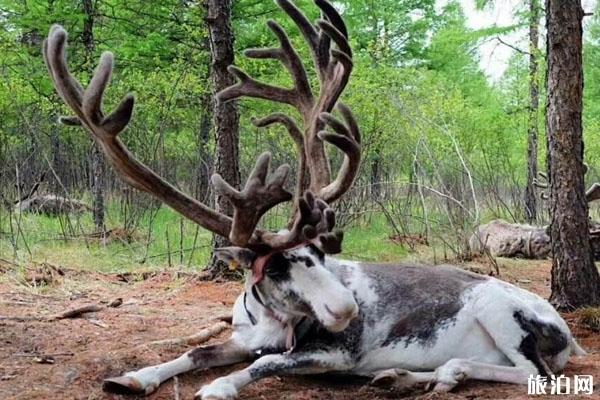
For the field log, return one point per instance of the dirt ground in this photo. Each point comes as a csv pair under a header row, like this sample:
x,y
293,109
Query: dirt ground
x,y
165,305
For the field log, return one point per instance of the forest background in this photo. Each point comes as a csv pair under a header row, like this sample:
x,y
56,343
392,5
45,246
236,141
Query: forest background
x,y
445,147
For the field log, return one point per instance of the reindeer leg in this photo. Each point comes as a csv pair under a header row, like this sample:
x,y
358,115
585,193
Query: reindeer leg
x,y
401,379
227,387
147,380
456,370
447,376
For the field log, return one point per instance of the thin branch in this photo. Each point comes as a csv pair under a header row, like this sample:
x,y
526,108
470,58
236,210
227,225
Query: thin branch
x,y
518,50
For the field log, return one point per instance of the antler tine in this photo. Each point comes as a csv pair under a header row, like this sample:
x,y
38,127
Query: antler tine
x,y
290,59
333,16
314,224
347,139
297,136
263,191
87,105
300,96
306,27
593,193
334,34
250,87
333,28
319,43
55,58
328,240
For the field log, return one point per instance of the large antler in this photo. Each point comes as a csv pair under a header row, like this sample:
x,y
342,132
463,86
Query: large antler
x,y
333,65
263,189
591,194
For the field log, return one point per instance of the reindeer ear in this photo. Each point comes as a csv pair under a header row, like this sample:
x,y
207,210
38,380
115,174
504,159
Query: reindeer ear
x,y
236,256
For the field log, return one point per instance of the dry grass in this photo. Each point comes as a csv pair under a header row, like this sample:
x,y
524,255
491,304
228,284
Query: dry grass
x,y
590,318
166,304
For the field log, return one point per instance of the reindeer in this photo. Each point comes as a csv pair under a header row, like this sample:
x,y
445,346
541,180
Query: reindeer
x,y
303,311
503,239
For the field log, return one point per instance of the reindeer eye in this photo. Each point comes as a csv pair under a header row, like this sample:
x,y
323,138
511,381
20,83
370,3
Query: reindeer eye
x,y
278,267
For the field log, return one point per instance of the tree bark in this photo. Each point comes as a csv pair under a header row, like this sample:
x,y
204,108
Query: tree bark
x,y
575,279
98,167
225,116
204,157
532,131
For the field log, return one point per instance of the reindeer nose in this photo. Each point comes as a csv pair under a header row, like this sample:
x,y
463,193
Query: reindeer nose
x,y
343,314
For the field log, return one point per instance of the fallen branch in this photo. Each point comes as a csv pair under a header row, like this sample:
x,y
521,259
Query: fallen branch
x,y
77,312
193,340
43,355
71,313
20,319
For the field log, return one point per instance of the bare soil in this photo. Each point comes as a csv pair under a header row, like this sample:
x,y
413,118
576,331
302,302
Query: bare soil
x,y
165,305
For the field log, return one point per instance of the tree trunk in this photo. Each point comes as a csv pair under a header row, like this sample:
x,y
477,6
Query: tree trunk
x,y
204,156
226,116
532,131
98,168
575,279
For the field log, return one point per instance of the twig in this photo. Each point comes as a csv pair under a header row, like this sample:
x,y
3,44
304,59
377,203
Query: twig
x,y
72,313
20,319
515,48
193,246
43,355
193,340
488,254
3,260
176,393
170,263
16,303
177,251
97,323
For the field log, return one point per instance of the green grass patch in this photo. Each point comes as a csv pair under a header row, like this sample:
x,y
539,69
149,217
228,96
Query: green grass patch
x,y
157,241
161,239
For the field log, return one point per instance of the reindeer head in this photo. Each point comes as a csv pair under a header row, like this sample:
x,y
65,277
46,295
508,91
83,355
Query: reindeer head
x,y
296,283
286,266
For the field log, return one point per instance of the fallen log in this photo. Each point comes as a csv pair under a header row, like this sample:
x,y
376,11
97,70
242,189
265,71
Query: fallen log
x,y
503,239
51,204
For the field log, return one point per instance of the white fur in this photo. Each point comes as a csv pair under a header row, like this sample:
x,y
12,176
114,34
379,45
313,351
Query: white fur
x,y
268,332
325,294
220,388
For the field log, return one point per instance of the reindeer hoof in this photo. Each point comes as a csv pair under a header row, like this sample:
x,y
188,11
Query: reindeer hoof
x,y
126,385
444,387
219,389
385,378
397,378
449,375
